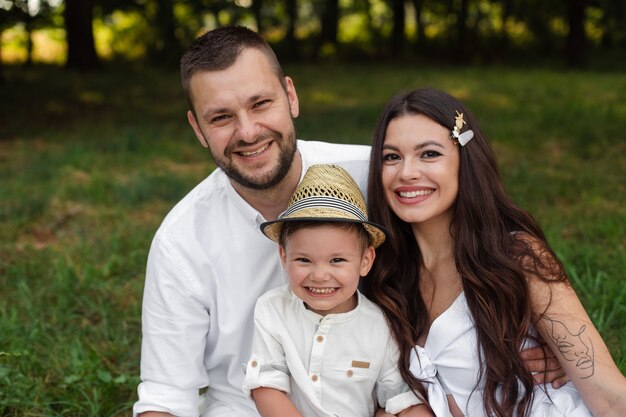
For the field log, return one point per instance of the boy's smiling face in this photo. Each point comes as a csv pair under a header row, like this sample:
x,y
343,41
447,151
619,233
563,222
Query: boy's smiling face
x,y
324,264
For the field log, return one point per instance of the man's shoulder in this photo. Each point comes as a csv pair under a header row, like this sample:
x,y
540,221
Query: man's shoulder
x,y
326,152
352,158
278,294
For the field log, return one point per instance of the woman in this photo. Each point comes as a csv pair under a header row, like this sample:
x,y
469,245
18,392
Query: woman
x,y
467,278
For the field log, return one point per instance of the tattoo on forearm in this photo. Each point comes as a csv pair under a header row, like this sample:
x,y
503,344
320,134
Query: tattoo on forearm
x,y
574,347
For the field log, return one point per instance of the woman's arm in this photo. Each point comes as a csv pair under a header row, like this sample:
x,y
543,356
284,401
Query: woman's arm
x,y
271,403
564,324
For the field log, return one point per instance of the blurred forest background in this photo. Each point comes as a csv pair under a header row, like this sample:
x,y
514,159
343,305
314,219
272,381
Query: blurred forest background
x,y
82,33
95,149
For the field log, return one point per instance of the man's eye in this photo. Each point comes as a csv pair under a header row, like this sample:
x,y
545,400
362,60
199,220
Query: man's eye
x,y
220,118
261,103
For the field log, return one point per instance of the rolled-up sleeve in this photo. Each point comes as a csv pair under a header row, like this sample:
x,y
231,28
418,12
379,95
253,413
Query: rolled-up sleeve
x,y
267,366
393,393
155,396
175,324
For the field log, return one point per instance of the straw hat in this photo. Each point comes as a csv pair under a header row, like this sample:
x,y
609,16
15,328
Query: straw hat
x,y
327,193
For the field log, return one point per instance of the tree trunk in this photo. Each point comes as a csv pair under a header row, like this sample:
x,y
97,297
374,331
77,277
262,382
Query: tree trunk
x,y
576,38
461,29
504,34
2,81
167,49
397,31
28,27
290,36
81,48
419,22
257,6
330,22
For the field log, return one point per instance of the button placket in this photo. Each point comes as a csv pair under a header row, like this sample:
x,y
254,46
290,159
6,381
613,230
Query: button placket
x,y
317,356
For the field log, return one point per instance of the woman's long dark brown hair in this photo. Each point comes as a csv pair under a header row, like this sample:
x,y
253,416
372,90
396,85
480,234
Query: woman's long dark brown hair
x,y
492,259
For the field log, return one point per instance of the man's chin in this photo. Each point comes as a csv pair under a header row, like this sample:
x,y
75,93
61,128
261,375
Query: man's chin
x,y
256,182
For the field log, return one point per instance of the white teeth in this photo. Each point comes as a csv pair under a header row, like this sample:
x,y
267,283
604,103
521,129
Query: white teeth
x,y
258,151
410,194
321,290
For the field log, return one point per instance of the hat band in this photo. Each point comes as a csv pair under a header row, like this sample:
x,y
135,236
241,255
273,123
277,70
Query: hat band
x,y
329,202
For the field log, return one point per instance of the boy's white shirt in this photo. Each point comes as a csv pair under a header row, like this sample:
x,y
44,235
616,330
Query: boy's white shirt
x,y
334,365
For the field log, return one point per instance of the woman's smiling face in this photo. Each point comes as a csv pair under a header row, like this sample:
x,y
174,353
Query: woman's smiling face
x,y
420,169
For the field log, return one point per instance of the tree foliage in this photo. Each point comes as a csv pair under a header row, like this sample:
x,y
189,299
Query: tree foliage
x,y
468,30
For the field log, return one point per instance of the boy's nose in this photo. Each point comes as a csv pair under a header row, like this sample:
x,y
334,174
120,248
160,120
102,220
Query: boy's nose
x,y
319,274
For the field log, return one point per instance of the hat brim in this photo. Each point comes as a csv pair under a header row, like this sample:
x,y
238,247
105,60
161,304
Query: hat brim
x,y
273,229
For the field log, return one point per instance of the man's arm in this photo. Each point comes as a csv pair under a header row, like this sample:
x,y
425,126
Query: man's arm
x,y
538,360
174,326
271,403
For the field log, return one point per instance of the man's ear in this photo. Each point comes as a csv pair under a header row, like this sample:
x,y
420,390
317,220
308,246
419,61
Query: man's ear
x,y
294,105
367,260
196,128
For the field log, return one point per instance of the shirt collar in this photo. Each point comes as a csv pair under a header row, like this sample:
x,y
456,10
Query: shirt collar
x,y
329,318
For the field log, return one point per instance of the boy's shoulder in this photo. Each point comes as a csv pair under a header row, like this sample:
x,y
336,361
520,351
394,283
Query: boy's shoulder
x,y
368,306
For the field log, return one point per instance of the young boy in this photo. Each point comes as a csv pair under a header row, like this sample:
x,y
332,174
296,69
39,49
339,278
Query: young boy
x,y
320,348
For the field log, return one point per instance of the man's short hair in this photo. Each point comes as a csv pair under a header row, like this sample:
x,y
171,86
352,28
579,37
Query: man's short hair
x,y
218,49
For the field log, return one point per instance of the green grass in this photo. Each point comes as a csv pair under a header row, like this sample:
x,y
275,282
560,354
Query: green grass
x,y
91,163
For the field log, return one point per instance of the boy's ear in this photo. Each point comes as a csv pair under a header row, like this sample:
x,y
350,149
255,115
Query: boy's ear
x,y
283,255
367,260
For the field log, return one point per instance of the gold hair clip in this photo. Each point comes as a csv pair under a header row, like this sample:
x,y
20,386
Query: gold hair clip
x,y
457,136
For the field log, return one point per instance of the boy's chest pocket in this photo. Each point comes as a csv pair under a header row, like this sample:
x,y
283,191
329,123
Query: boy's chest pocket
x,y
353,371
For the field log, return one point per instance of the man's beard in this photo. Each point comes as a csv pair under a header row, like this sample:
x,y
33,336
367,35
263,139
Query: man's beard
x,y
286,145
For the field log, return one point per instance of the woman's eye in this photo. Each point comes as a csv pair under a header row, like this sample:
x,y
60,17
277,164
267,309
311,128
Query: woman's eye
x,y
430,154
390,157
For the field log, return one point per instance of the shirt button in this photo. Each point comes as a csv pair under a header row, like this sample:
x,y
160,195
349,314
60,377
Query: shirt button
x,y
253,364
349,373
320,339
314,377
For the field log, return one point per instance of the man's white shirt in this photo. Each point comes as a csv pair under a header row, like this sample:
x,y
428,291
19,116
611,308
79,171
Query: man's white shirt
x,y
207,266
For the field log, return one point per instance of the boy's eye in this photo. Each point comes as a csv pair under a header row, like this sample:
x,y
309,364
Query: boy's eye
x,y
335,260
303,260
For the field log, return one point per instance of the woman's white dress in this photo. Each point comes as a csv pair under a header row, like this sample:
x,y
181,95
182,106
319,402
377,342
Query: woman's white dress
x,y
449,362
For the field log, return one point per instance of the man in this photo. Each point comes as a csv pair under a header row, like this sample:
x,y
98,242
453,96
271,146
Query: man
x,y
209,261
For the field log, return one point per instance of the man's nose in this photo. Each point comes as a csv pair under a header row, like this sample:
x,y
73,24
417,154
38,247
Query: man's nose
x,y
247,128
